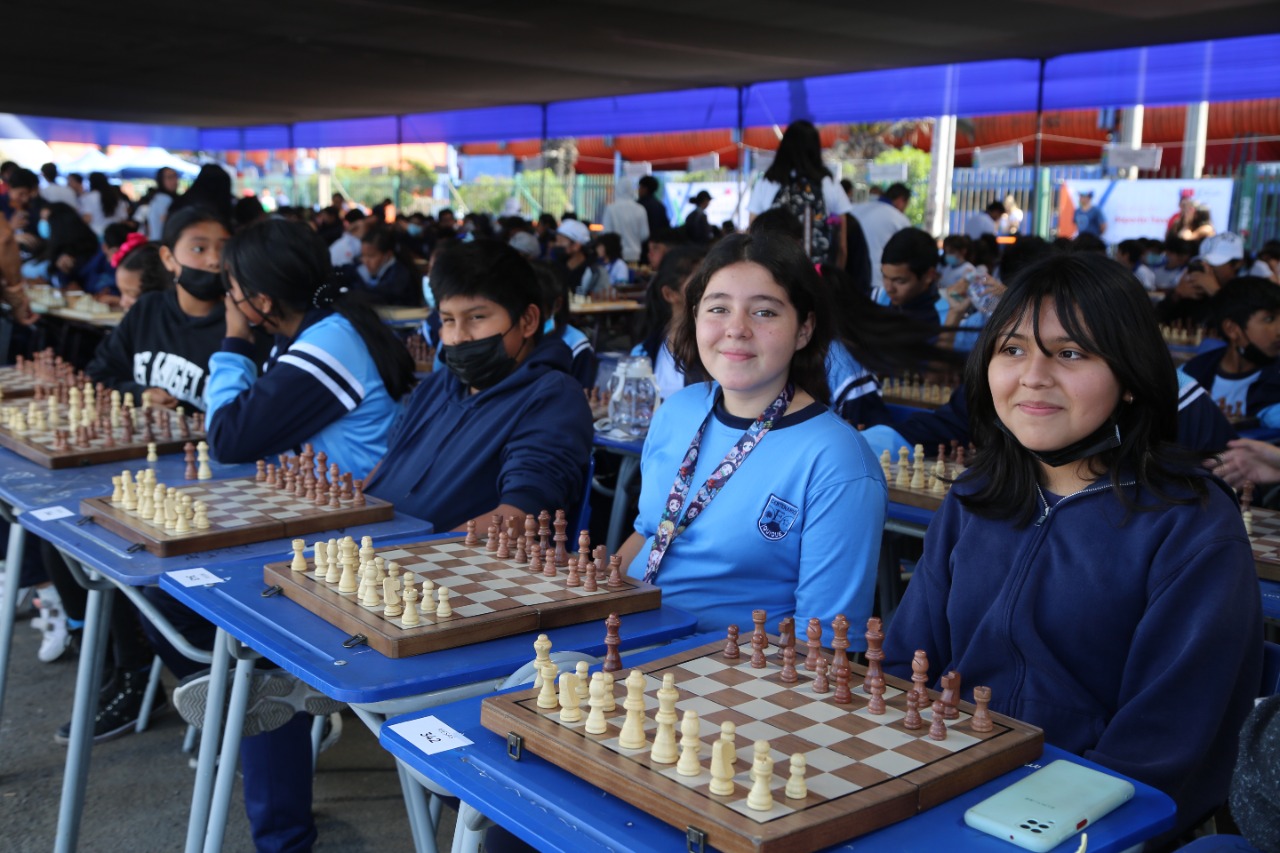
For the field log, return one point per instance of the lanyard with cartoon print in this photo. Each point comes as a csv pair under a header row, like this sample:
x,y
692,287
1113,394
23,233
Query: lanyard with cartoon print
x,y
676,516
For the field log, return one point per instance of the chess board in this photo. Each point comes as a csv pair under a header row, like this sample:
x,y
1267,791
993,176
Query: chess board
x,y
16,383
1265,541
491,598
930,495
863,771
241,511
915,392
109,445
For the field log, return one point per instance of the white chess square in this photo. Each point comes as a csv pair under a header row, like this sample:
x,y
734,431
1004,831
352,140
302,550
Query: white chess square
x,y
487,595
778,810
819,711
756,730
399,554
472,609
885,737
499,583
704,666
830,786
701,685
955,741
760,709
822,735
702,706
827,760
531,598
892,763
890,715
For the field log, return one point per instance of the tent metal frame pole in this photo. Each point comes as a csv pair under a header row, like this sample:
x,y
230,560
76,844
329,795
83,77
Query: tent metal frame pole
x,y
1036,189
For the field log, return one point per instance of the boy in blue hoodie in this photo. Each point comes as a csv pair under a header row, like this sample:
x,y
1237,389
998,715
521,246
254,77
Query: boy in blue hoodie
x,y
1246,312
504,428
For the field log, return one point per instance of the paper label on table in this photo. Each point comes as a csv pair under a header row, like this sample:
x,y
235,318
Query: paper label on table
x,y
430,735
194,577
50,513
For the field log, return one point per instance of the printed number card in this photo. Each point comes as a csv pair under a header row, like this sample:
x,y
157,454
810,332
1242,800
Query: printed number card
x,y
430,735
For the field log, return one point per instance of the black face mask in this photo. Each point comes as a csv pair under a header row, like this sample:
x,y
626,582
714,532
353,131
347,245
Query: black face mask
x,y
479,364
201,284
1103,438
1255,355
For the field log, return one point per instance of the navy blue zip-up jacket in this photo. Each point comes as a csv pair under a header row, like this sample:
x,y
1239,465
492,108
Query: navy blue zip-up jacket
x,y
1132,638
526,441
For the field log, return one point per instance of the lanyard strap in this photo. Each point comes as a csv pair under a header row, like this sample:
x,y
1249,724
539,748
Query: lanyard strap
x,y
680,512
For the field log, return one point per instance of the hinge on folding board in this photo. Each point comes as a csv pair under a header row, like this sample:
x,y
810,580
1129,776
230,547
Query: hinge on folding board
x,y
515,745
354,640
274,589
88,519
135,548
695,840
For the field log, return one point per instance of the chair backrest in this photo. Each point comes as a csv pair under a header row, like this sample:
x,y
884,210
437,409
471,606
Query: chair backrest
x,y
1270,669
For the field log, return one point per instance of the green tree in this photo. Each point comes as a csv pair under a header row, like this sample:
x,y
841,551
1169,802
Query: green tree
x,y
918,165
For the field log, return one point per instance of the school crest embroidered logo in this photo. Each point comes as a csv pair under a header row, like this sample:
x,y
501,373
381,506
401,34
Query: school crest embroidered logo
x,y
776,520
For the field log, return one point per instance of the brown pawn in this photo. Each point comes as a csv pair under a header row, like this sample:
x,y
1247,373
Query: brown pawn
x,y
589,584
875,687
615,572
731,643
820,684
535,559
575,576
813,634
548,562
322,493
788,675
491,540
843,695
938,726
358,485
757,650
335,495
913,719
951,695
189,456
261,476
504,547
981,721
522,554
612,660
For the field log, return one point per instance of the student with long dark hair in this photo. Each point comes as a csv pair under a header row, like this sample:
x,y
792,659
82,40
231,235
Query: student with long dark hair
x,y
103,204
663,303
1081,567
766,478
76,260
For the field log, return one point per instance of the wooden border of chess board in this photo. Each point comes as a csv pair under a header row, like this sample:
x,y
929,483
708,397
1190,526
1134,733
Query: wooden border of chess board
x,y
919,498
807,829
347,614
162,544
1268,562
80,456
27,381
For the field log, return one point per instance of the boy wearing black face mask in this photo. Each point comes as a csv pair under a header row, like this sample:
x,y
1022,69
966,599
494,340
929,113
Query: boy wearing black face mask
x,y
504,428
1246,314
163,345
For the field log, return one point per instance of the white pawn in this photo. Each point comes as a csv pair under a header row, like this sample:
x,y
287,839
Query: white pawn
x,y
796,788
182,523
299,563
689,745
584,679
202,515
152,455
117,490
728,736
443,609
761,798
632,736
202,454
569,710
595,720
721,771
547,696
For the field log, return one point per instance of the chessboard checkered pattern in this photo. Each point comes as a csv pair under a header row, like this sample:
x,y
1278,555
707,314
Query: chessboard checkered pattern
x,y
478,582
846,748
17,383
45,440
1265,541
244,502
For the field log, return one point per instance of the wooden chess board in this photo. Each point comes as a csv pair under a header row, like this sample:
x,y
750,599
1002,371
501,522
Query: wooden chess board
x,y
1265,541
491,598
241,511
16,383
915,393
930,495
864,771
109,445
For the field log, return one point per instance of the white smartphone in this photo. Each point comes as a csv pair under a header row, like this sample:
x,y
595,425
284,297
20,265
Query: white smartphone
x,y
1044,809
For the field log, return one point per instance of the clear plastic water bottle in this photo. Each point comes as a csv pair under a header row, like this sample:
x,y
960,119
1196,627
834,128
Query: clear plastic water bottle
x,y
982,295
633,396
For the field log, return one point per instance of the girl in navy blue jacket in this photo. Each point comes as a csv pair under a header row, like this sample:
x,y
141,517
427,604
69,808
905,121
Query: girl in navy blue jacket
x,y
1101,586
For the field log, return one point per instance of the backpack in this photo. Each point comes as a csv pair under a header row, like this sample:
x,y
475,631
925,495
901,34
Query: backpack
x,y
804,201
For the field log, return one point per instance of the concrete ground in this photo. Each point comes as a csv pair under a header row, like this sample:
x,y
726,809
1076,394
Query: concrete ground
x,y
139,791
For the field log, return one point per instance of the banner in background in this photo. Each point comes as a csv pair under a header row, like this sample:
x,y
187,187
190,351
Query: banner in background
x,y
1143,208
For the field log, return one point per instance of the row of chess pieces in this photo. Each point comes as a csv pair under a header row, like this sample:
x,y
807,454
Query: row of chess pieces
x,y
90,416
546,553
161,506
919,474
375,582
46,369
307,478
47,296
1182,334
915,388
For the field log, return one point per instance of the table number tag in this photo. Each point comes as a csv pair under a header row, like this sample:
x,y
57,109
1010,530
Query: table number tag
x,y
51,513
194,577
430,735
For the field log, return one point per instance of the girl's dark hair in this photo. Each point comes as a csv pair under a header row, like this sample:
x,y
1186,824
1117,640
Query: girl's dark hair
x,y
145,260
612,246
554,289
211,189
791,269
489,269
178,222
290,263
1108,315
957,243
677,265
108,194
114,235
799,154
69,235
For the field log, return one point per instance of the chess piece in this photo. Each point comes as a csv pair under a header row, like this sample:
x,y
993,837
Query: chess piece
x,y
951,695
761,798
321,549
820,684
843,696
786,634
589,583
981,721
189,456
117,490
299,563
569,710
596,724
689,765
584,550
547,696
728,737
875,649
347,584
583,670
544,529
904,468
920,677
721,772
560,524
912,720
886,465
813,635
535,559
443,610
575,579
632,735
410,617
391,595
796,789
504,546
204,472
548,562
541,657
664,739
731,643
840,660
788,675
615,572
152,455
609,706
612,660
333,570
938,725
758,638
521,555
875,686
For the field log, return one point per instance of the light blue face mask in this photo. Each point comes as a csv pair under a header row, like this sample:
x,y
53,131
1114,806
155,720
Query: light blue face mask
x,y
549,326
427,295
414,229
42,228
